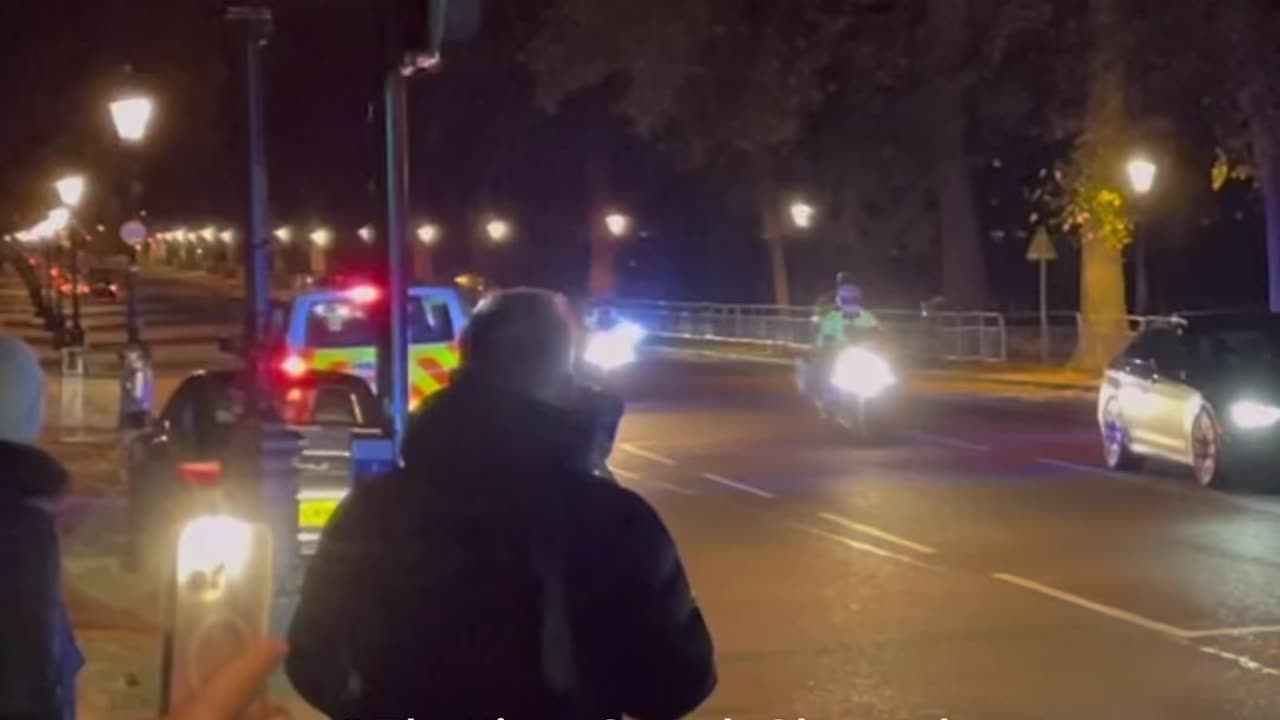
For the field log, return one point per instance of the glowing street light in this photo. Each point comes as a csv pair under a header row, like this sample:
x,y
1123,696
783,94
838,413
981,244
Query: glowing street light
x,y
131,116
428,234
802,214
619,224
367,233
321,237
228,236
58,220
1142,175
499,230
284,234
70,189
209,233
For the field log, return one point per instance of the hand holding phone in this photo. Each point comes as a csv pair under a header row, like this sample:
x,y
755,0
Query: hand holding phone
x,y
222,600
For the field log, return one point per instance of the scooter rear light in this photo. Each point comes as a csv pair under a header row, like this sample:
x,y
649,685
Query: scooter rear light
x,y
201,473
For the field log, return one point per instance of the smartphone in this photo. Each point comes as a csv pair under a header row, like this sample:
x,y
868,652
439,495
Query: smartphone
x,y
221,602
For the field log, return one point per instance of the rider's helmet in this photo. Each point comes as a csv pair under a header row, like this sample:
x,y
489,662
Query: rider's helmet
x,y
848,295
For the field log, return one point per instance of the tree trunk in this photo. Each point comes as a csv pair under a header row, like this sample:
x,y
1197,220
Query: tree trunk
x,y
1266,160
602,274
964,276
1103,325
775,239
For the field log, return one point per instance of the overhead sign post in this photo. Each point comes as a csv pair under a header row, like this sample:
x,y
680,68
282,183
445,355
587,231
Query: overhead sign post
x,y
1042,251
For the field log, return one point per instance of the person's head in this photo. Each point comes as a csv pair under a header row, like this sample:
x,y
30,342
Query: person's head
x,y
522,340
849,296
21,392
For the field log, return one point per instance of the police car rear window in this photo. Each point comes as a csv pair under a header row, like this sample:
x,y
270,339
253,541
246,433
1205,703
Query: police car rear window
x,y
346,324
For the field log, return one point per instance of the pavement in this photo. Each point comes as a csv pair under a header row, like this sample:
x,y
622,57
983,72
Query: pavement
x,y
983,565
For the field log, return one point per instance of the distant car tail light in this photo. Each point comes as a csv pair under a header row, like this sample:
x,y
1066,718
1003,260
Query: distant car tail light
x,y
293,366
364,294
201,473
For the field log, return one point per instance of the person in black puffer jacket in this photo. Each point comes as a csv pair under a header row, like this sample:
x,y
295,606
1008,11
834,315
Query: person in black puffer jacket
x,y
39,658
494,576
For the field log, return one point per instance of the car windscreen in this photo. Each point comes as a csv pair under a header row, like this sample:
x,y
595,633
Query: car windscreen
x,y
345,323
331,404
1251,347
325,405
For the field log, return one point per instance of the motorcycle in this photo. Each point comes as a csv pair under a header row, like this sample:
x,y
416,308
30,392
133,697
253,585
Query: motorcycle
x,y
853,391
610,349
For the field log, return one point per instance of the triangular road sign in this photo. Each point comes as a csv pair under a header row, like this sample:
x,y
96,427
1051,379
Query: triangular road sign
x,y
1041,247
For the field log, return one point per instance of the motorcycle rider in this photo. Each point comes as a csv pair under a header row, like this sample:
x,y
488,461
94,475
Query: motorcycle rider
x,y
834,326
848,312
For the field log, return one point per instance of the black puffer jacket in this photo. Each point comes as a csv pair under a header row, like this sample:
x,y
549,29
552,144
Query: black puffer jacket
x,y
432,595
29,563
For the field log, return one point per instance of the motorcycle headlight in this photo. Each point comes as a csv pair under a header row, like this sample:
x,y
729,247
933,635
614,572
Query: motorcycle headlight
x,y
613,348
861,372
1250,415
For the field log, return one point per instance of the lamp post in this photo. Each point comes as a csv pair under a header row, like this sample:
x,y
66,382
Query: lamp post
x,y
70,191
605,237
1142,178
131,116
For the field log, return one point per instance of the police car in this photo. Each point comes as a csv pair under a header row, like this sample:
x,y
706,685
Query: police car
x,y
333,329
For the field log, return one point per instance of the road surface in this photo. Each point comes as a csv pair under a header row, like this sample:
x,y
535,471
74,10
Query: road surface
x,y
982,567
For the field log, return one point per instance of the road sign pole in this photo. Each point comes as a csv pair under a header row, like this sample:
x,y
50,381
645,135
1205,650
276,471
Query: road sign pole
x,y
1044,312
1042,252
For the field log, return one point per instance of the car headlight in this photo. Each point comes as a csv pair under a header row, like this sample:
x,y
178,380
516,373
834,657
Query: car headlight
x,y
861,372
1251,415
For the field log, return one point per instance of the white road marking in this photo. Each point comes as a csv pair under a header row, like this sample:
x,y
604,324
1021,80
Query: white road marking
x,y
647,480
638,452
1232,632
951,442
1111,612
877,532
1241,660
738,486
864,547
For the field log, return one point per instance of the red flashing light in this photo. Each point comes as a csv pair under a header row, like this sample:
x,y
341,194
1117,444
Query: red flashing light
x,y
364,294
293,366
201,473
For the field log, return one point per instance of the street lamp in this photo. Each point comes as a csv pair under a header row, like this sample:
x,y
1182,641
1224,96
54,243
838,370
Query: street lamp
x,y
1142,177
209,233
618,224
70,190
499,230
428,234
802,214
284,234
367,233
321,237
227,236
131,116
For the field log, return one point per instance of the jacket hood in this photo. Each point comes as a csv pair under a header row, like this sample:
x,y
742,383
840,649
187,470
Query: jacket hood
x,y
491,445
30,473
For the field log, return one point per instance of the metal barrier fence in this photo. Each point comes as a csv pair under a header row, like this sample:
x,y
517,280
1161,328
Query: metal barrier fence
x,y
927,335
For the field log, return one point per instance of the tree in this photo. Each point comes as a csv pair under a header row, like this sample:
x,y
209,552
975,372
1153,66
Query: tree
x,y
731,83
739,83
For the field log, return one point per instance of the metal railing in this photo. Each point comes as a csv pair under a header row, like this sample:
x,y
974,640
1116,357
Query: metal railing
x,y
951,336
944,335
